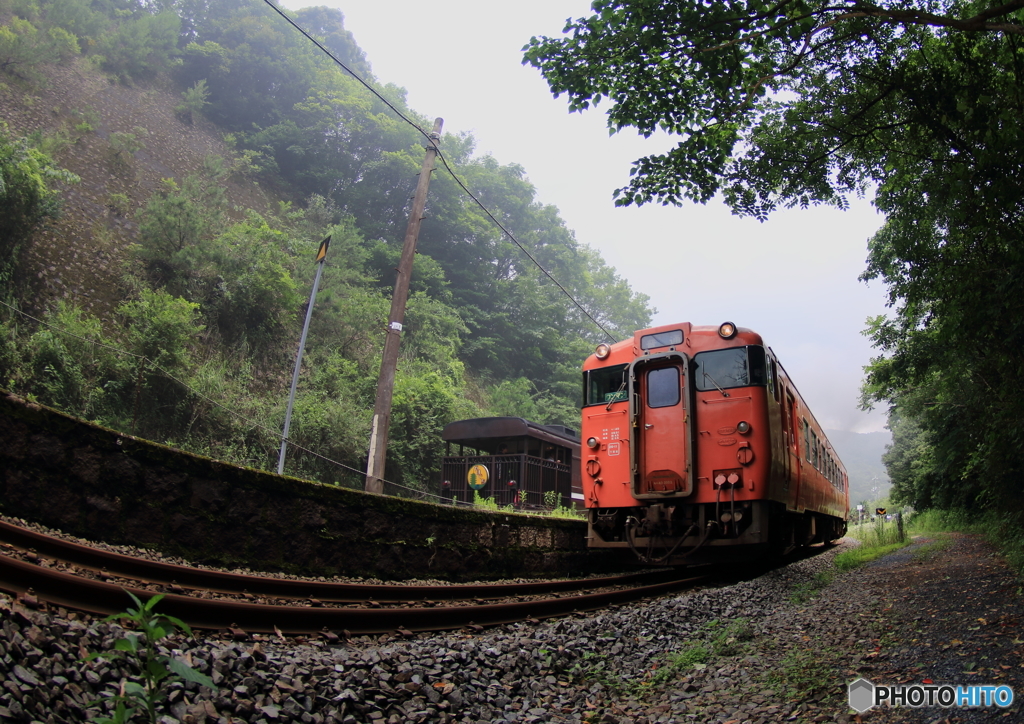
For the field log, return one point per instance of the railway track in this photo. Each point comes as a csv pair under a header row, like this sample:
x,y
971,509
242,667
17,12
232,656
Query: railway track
x,y
51,570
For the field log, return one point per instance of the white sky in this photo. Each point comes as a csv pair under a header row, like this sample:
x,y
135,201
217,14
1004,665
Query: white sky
x,y
793,278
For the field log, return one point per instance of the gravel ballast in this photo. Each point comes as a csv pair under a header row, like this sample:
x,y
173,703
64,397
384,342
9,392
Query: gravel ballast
x,y
777,648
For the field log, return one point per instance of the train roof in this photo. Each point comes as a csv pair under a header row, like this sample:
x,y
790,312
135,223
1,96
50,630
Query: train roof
x,y
468,432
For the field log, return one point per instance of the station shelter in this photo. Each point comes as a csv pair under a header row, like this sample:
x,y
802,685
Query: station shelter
x,y
511,461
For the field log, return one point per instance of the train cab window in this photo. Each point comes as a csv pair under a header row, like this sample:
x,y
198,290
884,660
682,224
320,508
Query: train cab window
x,y
735,367
608,384
663,387
661,339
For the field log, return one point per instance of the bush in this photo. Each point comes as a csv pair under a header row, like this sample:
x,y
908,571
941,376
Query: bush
x,y
23,46
194,101
26,195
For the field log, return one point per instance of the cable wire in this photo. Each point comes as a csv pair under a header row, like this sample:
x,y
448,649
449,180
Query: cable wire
x,y
444,161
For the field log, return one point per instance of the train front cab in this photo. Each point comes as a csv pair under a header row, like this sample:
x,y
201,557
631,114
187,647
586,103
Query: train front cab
x,y
684,456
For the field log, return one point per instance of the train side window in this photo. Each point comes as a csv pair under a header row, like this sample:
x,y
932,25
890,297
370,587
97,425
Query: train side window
x,y
663,389
807,441
605,385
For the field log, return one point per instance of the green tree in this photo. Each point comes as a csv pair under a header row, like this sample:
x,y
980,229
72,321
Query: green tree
x,y
141,45
256,66
23,46
910,463
789,103
194,101
799,103
163,331
175,220
243,281
27,193
69,365
77,17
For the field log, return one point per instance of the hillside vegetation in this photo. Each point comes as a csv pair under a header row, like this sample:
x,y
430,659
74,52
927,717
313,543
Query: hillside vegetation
x,y
168,171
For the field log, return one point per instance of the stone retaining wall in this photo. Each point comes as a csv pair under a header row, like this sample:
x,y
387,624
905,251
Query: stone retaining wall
x,y
103,485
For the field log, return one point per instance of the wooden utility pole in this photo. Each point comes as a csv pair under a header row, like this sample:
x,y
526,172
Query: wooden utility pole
x,y
386,382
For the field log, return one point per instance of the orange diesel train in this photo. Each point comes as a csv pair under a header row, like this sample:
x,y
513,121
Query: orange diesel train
x,y
698,448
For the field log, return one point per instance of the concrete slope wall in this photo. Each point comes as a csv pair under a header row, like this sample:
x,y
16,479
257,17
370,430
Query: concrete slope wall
x,y
103,485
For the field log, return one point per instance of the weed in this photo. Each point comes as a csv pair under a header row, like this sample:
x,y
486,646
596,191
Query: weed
x,y
803,673
877,538
123,146
924,551
848,560
714,640
157,669
553,501
490,504
693,655
120,204
806,590
595,667
85,121
878,532
728,641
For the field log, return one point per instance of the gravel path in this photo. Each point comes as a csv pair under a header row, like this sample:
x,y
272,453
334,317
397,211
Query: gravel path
x,y
782,647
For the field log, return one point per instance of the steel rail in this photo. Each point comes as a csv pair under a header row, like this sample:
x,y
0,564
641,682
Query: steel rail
x,y
143,569
101,598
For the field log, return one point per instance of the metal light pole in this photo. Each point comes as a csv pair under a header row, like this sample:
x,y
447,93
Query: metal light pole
x,y
386,381
321,255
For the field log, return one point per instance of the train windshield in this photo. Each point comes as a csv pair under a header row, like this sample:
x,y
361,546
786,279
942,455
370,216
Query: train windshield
x,y
725,368
605,385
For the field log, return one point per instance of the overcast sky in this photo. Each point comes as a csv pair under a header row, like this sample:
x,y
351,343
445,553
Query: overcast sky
x,y
792,278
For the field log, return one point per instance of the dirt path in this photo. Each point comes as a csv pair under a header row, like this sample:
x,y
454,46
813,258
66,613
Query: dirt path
x,y
953,616
944,610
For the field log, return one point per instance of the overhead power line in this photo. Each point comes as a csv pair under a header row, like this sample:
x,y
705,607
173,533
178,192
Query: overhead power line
x,y
444,161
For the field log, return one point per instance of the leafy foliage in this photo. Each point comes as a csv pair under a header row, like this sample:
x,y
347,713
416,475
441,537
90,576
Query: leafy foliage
x,y
801,103
23,46
195,355
140,45
156,669
194,101
27,193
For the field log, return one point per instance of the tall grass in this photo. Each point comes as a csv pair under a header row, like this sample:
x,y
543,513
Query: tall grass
x,y
878,538
879,532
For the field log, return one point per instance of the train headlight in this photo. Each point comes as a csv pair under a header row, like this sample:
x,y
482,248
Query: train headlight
x,y
602,351
743,428
727,330
592,443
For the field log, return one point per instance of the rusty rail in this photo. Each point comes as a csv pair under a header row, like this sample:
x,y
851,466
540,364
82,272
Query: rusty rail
x,y
98,597
144,569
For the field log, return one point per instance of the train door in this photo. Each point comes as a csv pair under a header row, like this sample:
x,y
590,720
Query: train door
x,y
788,438
661,419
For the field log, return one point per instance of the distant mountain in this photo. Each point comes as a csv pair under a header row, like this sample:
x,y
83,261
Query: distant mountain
x,y
861,453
